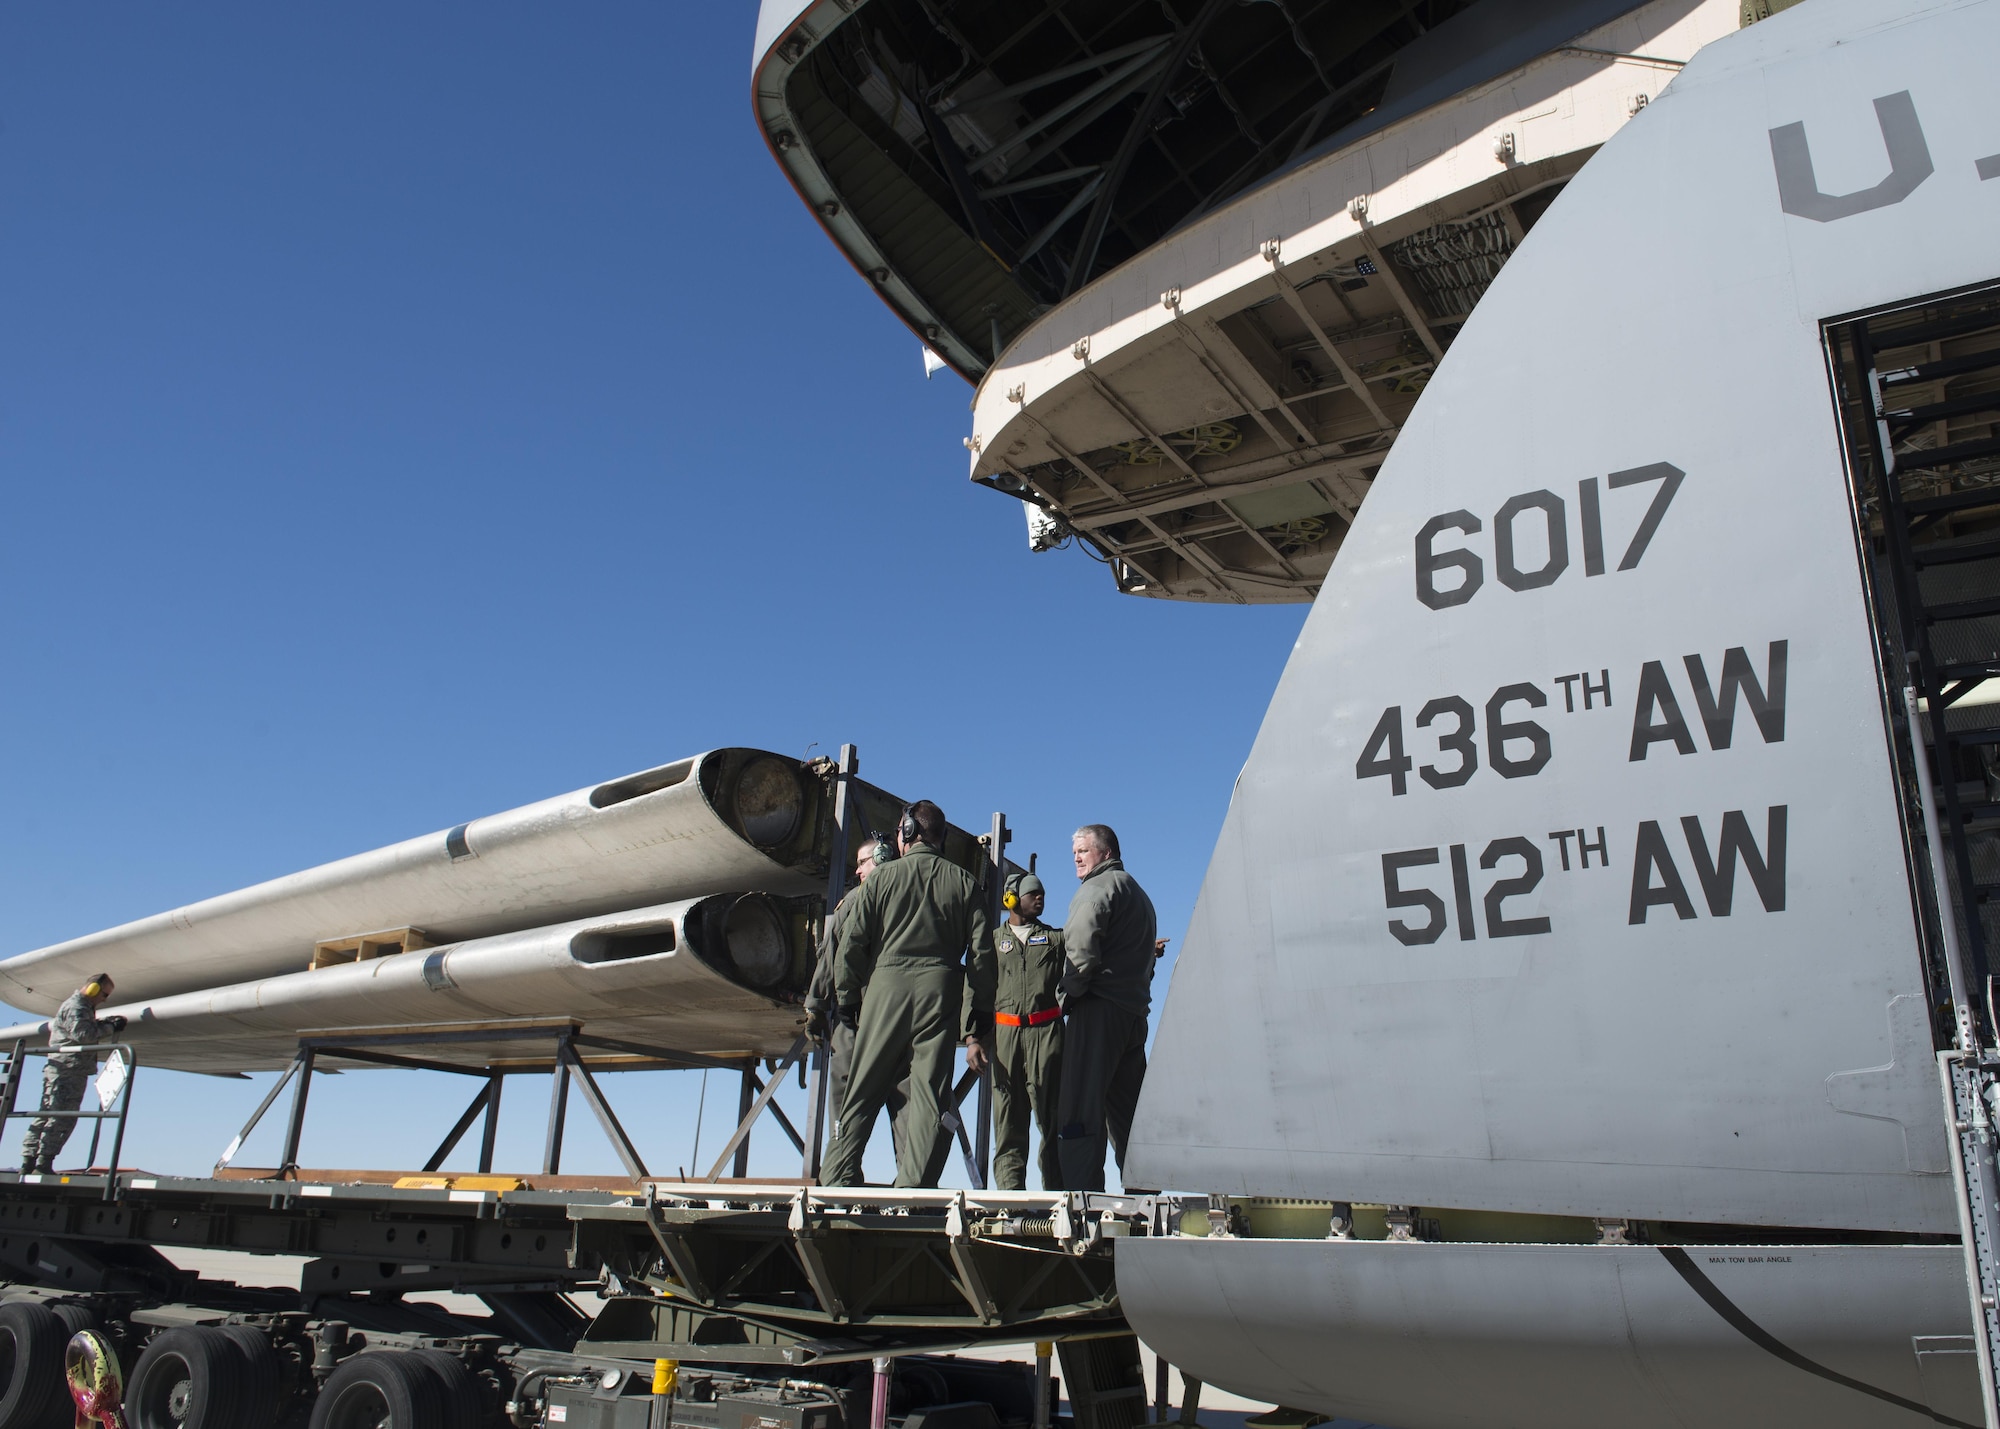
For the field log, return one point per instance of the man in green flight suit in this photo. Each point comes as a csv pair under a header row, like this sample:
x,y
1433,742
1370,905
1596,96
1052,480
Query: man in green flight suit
x,y
918,943
821,1006
1027,1037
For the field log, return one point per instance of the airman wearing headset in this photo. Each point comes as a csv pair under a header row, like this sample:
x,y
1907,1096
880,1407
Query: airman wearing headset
x,y
839,1031
1028,1037
918,943
66,1074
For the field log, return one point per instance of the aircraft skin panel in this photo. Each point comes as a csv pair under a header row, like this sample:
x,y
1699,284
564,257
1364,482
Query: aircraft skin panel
x,y
1465,1336
558,858
1641,403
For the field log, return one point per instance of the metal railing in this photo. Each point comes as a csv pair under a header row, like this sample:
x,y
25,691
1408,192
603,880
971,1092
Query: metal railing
x,y
10,1095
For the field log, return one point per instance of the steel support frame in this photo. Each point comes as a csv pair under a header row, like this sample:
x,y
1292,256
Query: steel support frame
x,y
1295,300
750,1106
1193,554
566,1064
1118,404
841,843
1386,270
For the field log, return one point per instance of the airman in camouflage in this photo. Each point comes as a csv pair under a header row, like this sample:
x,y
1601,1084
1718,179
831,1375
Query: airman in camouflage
x,y
66,1074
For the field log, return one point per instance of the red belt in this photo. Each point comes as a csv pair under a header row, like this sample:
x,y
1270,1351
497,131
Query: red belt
x,y
1033,1019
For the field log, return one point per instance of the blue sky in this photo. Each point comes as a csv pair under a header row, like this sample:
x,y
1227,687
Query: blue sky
x,y
407,413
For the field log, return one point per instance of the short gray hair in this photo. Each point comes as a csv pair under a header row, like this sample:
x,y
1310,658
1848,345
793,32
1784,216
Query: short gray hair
x,y
1102,836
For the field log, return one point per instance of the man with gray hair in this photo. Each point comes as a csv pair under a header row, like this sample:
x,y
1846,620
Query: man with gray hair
x,y
821,1006
1107,988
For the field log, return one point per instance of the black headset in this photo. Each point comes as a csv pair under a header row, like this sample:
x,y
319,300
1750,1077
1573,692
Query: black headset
x,y
907,828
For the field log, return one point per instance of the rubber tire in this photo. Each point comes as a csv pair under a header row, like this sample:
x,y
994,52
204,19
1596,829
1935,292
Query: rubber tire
x,y
35,1394
464,1403
211,1364
263,1376
75,1317
395,1380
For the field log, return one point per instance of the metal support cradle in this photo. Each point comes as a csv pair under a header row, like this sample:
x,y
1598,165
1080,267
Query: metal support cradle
x,y
566,1062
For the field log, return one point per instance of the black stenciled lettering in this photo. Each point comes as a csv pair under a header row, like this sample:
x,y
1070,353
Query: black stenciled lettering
x,y
1568,682
1499,733
1592,517
1396,896
1461,894
1650,857
1557,521
1670,478
1498,925
1656,693
1602,689
1766,701
1383,754
1430,562
1562,838
1584,849
1718,875
1458,741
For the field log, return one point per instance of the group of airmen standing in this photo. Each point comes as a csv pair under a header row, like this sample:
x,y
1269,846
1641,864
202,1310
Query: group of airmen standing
x,y
910,969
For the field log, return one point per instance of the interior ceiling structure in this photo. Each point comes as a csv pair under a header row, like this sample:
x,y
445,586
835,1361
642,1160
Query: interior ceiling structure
x,y
1000,155
1014,177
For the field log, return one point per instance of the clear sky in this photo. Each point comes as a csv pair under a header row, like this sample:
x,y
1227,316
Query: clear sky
x,y
411,412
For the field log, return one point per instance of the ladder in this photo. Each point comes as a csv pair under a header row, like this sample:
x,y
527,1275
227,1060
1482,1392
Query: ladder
x,y
1925,447
10,1087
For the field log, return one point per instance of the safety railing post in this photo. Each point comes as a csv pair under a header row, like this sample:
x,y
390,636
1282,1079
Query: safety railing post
x,y
839,844
118,1131
996,887
10,1109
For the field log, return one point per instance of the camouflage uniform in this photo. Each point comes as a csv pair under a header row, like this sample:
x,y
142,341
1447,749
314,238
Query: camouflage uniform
x,y
63,1081
1027,1052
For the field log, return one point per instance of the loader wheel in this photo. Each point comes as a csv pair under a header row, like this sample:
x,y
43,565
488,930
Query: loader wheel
x,y
263,1376
187,1379
464,1403
381,1389
31,1367
75,1317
